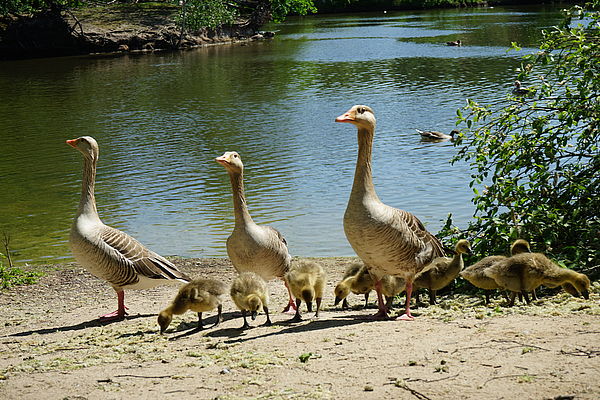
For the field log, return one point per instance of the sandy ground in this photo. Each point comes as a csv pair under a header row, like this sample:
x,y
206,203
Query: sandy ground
x,y
53,347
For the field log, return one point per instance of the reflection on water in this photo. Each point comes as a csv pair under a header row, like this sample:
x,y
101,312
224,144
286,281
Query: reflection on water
x,y
161,120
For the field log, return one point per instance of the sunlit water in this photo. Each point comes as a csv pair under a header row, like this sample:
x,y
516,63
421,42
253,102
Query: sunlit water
x,y
161,119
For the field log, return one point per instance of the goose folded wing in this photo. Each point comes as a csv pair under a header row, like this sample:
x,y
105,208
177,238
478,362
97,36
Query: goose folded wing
x,y
142,260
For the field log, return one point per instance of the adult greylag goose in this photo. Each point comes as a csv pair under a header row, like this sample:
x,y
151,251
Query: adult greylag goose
x,y
437,136
357,280
108,253
442,270
388,240
200,295
249,293
475,273
252,247
524,272
306,279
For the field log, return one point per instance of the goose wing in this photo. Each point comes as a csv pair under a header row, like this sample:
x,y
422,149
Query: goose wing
x,y
135,257
431,247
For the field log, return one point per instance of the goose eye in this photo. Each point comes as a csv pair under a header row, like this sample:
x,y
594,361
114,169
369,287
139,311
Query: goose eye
x,y
361,110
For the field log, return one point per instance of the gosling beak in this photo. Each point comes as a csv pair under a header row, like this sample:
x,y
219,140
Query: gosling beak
x,y
585,294
337,301
469,251
253,315
346,117
309,306
72,142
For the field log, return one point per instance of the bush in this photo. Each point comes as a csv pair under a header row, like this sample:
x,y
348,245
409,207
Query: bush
x,y
536,155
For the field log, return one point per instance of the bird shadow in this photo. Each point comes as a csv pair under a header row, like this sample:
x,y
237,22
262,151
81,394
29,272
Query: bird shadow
x,y
96,322
290,326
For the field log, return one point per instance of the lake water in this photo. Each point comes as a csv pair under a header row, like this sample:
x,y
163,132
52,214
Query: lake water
x,y
161,119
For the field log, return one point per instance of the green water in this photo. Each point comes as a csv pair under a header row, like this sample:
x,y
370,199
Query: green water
x,y
161,119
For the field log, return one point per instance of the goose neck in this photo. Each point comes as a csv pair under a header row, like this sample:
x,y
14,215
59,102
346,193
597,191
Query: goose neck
x,y
363,176
240,208
87,204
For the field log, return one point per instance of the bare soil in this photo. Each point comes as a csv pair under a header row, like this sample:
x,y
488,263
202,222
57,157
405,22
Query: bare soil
x,y
53,347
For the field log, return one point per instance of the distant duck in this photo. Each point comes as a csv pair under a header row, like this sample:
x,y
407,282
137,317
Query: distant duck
x,y
108,253
252,247
475,273
525,272
357,280
200,295
437,136
455,43
520,90
306,279
442,270
249,293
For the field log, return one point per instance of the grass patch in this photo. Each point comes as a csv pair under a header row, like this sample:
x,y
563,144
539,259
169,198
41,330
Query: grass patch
x,y
13,276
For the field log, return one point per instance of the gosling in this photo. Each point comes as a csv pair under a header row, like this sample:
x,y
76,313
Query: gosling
x,y
442,270
199,295
475,273
306,280
525,272
390,287
356,280
250,295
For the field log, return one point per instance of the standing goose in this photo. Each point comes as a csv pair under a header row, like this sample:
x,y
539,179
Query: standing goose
x,y
108,253
389,241
442,270
252,247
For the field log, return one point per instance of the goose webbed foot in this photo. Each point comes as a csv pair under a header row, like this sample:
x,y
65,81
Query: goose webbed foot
x,y
290,308
116,315
405,317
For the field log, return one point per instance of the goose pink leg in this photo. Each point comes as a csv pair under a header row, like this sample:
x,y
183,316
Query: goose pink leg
x,y
407,316
382,313
291,305
120,313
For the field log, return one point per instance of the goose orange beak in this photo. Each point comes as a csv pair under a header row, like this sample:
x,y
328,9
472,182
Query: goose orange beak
x,y
72,142
346,117
222,160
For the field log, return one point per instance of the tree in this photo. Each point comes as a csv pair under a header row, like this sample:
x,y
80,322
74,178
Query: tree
x,y
213,13
537,155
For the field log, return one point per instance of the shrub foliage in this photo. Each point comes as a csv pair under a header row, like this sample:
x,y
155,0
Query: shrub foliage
x,y
534,158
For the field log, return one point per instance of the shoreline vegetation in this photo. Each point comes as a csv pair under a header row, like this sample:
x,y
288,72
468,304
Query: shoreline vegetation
x,y
48,28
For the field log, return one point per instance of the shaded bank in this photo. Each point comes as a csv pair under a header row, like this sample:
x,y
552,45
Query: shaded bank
x,y
108,29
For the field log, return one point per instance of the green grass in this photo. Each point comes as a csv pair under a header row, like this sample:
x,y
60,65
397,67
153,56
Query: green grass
x,y
13,276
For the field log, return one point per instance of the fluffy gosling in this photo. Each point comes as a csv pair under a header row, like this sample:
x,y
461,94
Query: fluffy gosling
x,y
442,270
199,295
306,280
249,293
356,280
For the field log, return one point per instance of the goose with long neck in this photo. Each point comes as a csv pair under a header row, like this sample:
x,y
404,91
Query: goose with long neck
x,y
252,247
108,253
388,240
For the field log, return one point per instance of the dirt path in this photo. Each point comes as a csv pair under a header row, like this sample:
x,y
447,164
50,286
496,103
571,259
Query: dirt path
x,y
52,347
